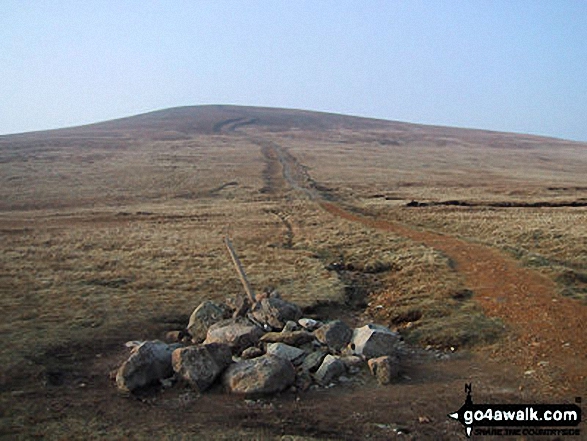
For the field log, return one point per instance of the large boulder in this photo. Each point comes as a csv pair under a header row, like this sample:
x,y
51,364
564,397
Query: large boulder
x,y
275,312
373,341
148,363
238,333
204,316
267,374
201,365
291,353
336,335
330,369
385,369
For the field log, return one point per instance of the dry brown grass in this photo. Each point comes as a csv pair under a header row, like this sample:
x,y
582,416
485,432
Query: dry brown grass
x,y
111,236
405,166
379,172
551,240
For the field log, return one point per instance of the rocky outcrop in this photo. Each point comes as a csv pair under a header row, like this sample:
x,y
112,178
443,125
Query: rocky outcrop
x,y
148,363
373,341
200,365
238,333
263,375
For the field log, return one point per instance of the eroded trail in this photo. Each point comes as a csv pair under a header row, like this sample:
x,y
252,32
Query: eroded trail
x,y
546,331
545,337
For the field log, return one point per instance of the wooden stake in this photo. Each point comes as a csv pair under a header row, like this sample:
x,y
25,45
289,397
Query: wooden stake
x,y
240,271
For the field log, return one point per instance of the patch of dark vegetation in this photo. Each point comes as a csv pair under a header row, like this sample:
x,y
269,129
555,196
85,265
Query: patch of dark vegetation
x,y
16,230
376,267
170,320
574,284
330,310
109,283
455,331
360,279
289,234
407,316
462,294
272,172
137,213
217,128
501,204
218,189
369,267
577,188
326,193
230,125
392,142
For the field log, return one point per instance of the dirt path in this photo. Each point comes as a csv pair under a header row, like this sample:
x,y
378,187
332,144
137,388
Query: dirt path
x,y
546,337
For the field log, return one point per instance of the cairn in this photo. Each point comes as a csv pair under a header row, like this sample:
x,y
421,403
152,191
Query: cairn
x,y
258,345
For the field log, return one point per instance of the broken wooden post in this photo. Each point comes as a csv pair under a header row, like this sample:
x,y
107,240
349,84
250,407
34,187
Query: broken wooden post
x,y
239,269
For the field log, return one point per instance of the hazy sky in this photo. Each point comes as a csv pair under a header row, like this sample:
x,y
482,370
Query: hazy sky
x,y
510,65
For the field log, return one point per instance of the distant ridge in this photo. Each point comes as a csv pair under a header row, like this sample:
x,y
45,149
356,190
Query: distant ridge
x,y
179,122
211,119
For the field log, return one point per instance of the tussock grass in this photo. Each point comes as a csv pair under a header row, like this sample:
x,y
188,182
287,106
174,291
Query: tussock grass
x,y
107,237
551,240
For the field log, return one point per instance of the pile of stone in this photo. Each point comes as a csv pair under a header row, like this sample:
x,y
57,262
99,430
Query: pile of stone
x,y
260,349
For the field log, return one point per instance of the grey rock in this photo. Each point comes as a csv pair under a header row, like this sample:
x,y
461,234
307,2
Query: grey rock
x,y
148,363
275,312
386,368
291,326
352,361
201,365
204,316
330,369
240,306
303,381
238,333
294,338
252,352
309,324
336,335
372,341
267,374
291,353
313,361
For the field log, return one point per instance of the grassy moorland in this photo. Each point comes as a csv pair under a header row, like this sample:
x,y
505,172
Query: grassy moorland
x,y
522,194
113,231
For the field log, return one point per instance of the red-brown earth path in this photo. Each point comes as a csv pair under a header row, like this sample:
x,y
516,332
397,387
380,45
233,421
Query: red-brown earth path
x,y
545,330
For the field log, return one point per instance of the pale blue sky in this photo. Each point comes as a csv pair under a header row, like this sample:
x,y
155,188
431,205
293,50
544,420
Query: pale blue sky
x,y
511,65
